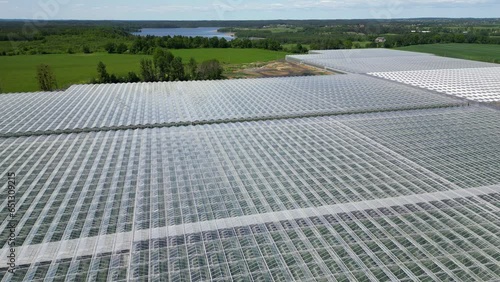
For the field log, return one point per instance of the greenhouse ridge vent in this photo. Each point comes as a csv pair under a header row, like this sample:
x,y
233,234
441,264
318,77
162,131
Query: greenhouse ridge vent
x,y
387,172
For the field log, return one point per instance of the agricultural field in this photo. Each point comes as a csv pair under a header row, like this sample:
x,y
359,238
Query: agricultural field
x,y
18,73
478,52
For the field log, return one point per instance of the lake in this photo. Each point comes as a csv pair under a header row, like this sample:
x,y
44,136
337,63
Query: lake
x,y
189,32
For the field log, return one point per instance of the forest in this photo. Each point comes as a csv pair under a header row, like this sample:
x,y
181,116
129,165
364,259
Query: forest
x,y
60,37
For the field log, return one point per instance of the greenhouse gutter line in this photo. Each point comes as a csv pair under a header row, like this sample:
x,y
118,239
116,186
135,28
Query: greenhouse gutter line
x,y
121,242
227,121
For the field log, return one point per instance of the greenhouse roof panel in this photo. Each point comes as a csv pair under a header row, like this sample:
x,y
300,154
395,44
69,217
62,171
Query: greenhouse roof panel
x,y
480,84
115,106
395,195
361,53
359,64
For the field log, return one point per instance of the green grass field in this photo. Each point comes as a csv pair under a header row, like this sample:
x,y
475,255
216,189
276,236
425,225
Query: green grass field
x,y
478,52
18,73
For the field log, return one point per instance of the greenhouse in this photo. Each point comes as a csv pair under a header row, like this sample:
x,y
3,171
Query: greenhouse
x,y
481,84
372,61
318,198
129,106
387,176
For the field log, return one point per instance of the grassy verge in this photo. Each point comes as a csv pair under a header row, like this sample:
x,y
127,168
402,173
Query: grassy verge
x,y
477,52
17,73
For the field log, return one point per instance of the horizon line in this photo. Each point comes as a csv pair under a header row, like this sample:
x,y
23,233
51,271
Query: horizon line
x,y
256,20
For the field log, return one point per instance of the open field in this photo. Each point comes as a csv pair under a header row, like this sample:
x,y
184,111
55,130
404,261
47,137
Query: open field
x,y
17,73
478,52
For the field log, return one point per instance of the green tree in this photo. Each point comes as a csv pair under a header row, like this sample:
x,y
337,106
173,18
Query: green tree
x,y
102,73
86,49
192,68
348,44
299,49
114,79
121,48
223,43
162,62
132,77
110,47
177,70
46,77
210,70
147,70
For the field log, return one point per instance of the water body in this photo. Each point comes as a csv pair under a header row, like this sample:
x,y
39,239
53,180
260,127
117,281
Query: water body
x,y
189,32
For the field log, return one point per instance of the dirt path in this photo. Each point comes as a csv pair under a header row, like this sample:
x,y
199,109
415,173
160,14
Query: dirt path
x,y
273,69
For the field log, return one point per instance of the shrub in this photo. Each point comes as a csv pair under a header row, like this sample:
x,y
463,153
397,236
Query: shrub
x,y
86,49
177,70
102,73
147,70
192,68
121,48
210,70
46,78
133,77
110,47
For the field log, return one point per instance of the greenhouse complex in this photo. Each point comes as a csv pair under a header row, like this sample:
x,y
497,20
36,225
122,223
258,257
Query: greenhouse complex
x,y
387,171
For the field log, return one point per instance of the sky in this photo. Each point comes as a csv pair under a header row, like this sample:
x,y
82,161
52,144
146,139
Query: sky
x,y
245,9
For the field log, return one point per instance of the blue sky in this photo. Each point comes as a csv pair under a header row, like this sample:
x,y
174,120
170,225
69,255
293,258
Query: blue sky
x,y
244,9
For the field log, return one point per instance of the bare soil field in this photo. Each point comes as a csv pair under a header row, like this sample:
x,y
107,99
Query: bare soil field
x,y
278,68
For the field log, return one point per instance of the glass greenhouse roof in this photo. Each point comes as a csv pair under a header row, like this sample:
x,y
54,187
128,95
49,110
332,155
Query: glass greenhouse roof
x,y
362,62
481,84
360,53
125,106
350,177
401,195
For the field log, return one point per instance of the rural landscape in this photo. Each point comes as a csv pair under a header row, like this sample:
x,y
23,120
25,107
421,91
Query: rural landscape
x,y
72,50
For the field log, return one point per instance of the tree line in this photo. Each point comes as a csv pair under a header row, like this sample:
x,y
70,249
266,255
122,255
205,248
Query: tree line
x,y
163,67
409,39
57,37
147,44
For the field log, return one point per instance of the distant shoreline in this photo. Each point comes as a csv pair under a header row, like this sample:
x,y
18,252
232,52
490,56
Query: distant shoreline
x,y
186,31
